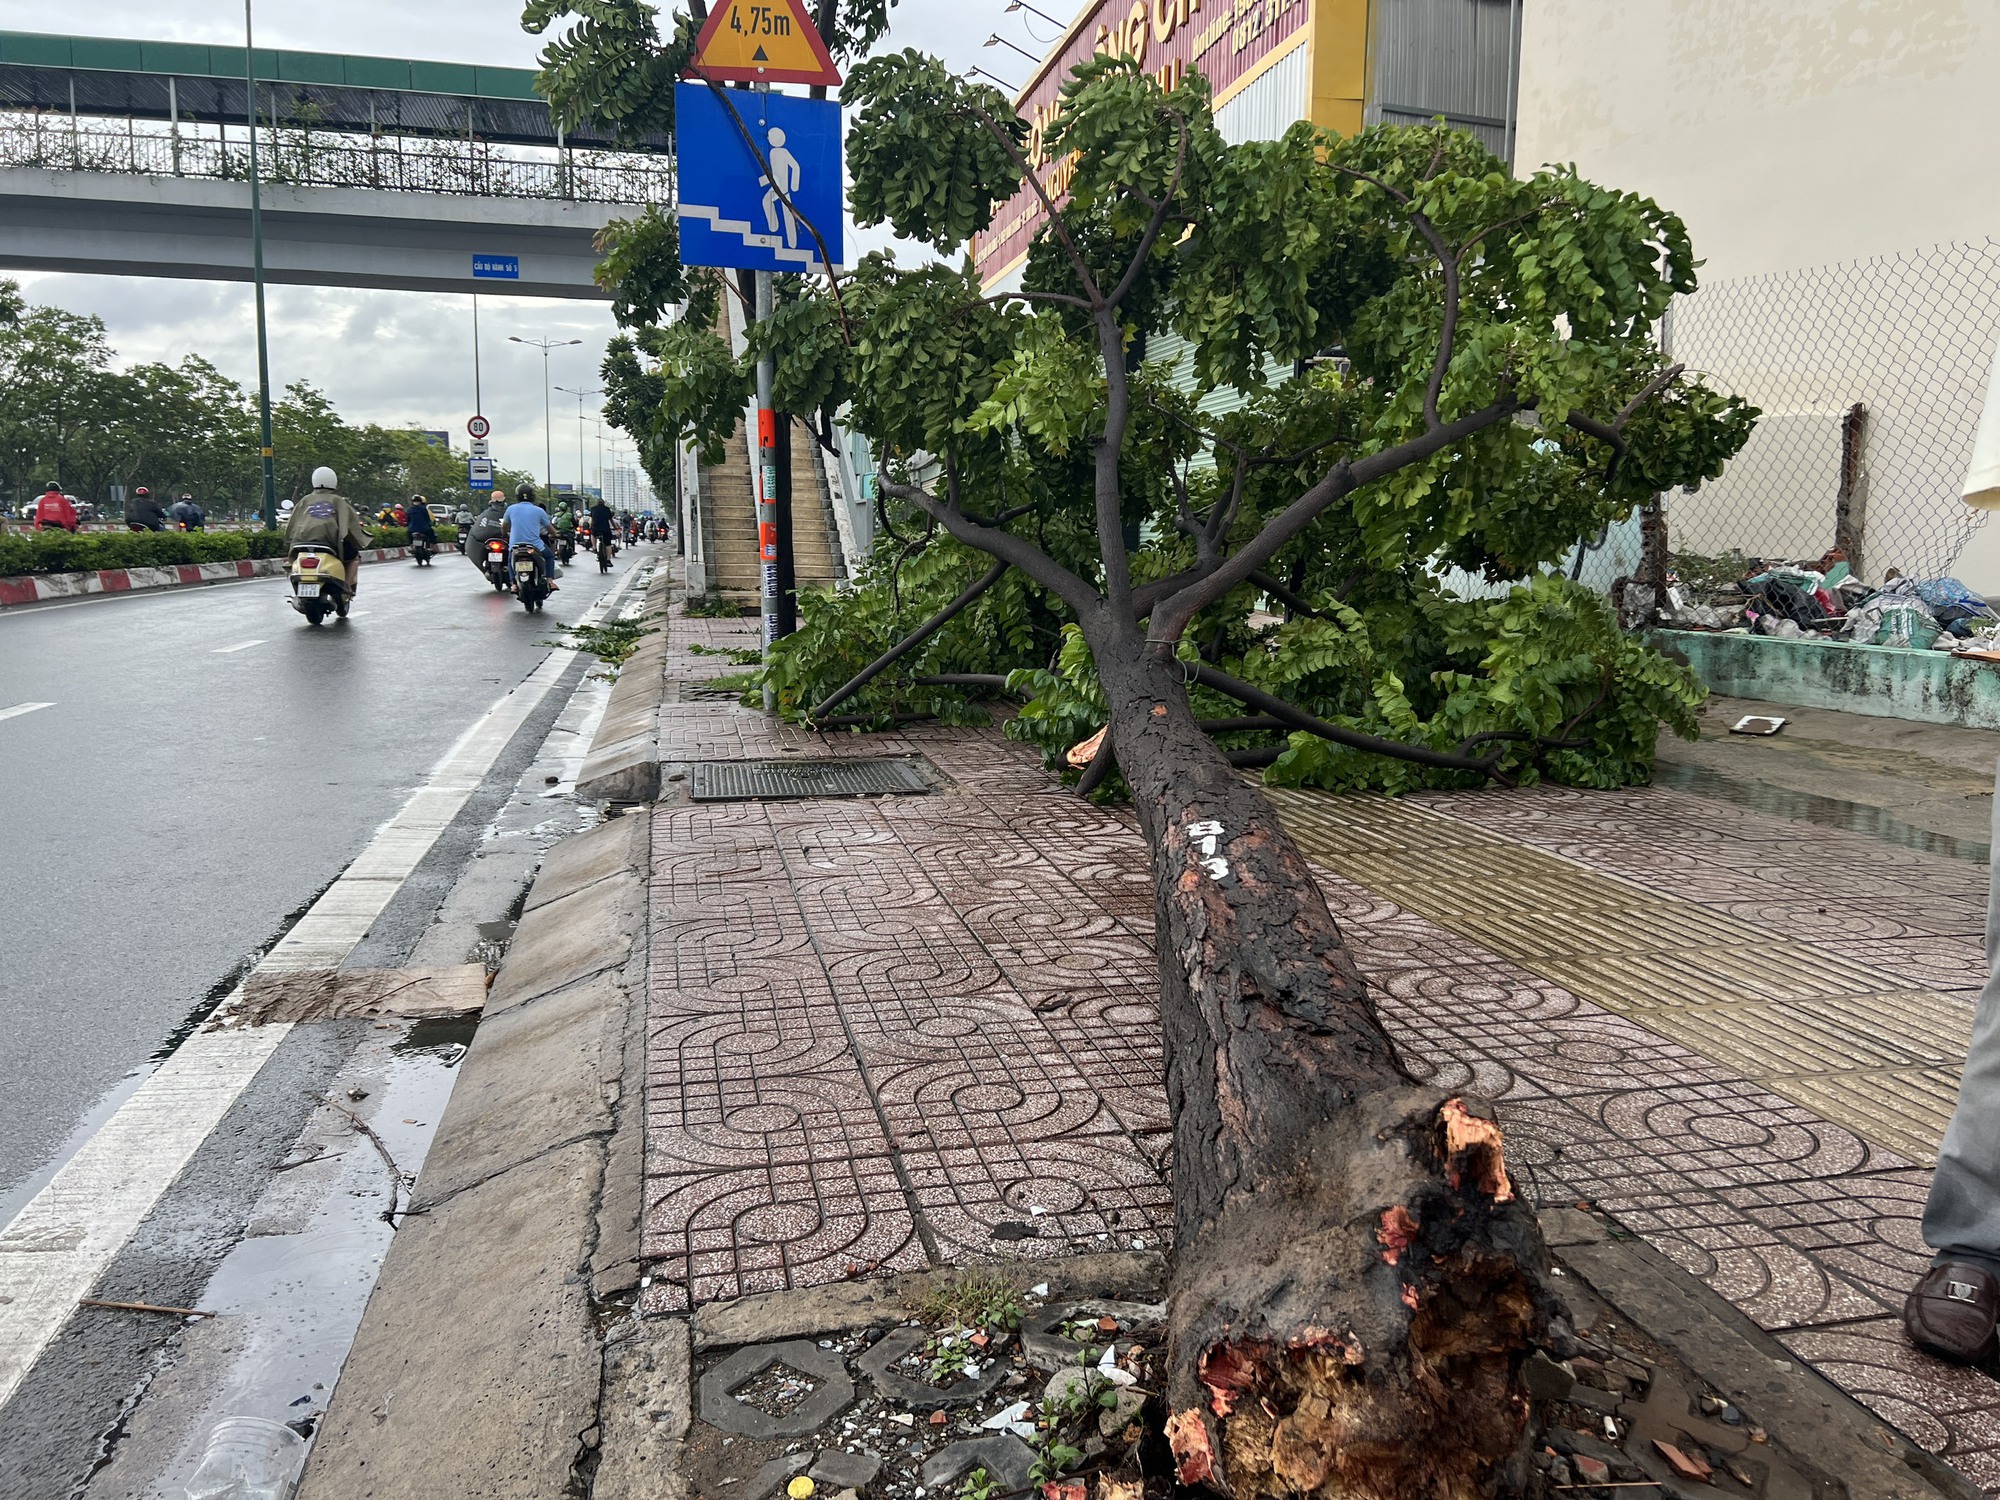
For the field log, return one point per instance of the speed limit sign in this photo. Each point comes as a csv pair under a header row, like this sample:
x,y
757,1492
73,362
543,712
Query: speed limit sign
x,y
479,427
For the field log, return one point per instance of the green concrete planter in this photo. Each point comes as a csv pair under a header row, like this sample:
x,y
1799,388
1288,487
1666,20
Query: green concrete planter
x,y
1933,687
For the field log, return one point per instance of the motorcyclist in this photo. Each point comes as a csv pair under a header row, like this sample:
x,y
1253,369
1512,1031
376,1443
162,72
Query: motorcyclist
x,y
53,512
186,514
565,519
417,515
528,525
491,522
325,519
143,512
601,526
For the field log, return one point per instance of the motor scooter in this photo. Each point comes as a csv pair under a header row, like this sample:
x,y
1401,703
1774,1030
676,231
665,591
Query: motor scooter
x,y
319,583
422,548
531,580
494,565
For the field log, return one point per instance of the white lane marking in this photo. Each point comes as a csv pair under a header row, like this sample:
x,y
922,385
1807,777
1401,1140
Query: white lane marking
x,y
22,708
58,1246
227,650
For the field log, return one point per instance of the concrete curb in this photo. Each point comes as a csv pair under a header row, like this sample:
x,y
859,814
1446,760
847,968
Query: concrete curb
x,y
624,760
479,1364
37,588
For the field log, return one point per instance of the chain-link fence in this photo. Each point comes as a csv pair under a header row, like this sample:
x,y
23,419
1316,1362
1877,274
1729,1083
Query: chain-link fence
x,y
1871,377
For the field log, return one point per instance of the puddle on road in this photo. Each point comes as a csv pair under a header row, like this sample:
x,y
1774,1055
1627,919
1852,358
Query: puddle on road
x,y
1827,812
289,1297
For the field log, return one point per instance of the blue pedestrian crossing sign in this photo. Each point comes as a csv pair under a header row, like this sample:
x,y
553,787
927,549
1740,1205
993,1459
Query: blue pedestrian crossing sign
x,y
759,210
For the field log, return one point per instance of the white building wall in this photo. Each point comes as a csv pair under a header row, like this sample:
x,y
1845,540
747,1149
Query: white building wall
x,y
1787,133
1839,152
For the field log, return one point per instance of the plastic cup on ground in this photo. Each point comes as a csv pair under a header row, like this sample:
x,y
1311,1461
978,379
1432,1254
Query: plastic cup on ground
x,y
248,1458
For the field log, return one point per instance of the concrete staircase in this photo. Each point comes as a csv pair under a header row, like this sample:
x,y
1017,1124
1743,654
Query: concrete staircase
x,y
729,524
814,546
729,521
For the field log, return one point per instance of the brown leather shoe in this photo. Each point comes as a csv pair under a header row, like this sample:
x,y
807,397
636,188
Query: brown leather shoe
x,y
1953,1311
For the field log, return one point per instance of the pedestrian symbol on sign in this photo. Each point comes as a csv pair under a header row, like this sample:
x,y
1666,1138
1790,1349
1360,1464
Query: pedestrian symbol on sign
x,y
781,184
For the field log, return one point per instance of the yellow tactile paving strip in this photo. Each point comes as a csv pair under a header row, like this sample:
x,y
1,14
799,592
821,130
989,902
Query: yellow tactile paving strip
x,y
1854,1044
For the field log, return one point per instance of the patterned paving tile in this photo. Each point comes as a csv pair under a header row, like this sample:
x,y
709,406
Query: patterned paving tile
x,y
879,1030
1950,1412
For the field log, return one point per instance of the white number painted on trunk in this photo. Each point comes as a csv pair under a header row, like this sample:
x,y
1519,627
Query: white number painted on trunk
x,y
1207,836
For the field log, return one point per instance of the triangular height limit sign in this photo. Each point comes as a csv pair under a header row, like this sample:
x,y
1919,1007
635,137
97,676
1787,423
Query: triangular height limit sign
x,y
763,41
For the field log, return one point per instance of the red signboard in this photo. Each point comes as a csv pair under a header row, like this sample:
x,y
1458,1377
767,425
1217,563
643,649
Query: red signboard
x,y
1223,40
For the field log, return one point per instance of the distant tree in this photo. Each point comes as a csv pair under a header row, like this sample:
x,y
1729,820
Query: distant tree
x,y
55,389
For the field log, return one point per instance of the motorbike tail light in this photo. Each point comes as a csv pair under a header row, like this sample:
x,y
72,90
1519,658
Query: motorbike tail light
x,y
308,562
495,548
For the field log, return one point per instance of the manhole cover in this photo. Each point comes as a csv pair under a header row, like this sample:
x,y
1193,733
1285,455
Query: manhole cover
x,y
752,780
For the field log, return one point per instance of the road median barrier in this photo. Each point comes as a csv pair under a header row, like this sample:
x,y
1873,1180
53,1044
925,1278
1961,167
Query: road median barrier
x,y
39,588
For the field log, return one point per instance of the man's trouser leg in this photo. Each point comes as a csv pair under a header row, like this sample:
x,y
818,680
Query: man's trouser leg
x,y
350,554
1962,1219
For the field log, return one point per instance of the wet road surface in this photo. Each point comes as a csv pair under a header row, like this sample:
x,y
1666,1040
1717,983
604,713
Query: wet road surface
x,y
202,764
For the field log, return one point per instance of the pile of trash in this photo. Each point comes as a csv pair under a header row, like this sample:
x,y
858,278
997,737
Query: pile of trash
x,y
1824,600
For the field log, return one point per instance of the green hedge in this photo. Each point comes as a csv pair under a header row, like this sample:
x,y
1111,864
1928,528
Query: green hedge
x,y
399,536
88,552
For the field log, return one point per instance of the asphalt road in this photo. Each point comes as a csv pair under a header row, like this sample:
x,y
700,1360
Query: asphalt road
x,y
207,764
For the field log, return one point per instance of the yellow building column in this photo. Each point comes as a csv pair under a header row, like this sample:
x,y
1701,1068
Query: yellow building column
x,y
1338,64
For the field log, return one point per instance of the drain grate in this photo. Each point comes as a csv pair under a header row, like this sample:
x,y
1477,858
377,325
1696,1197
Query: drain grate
x,y
758,780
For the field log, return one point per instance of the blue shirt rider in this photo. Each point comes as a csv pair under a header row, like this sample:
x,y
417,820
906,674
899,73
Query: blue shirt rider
x,y
417,515
526,524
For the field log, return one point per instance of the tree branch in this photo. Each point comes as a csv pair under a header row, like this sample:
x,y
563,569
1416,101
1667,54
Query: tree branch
x,y
1613,432
1018,551
1448,263
1298,718
1158,222
1171,618
1056,220
909,642
1099,767
1285,596
1062,297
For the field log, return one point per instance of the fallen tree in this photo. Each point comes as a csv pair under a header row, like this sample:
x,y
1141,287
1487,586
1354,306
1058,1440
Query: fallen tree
x,y
1428,362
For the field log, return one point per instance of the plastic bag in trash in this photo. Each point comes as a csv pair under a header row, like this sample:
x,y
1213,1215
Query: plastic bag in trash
x,y
1949,594
1892,619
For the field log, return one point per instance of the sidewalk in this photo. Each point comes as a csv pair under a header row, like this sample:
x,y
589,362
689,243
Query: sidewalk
x,y
901,1032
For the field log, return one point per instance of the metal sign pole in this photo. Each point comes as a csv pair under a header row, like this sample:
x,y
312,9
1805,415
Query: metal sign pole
x,y
767,487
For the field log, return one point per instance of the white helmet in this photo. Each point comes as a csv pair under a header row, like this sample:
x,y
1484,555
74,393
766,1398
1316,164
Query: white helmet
x,y
325,479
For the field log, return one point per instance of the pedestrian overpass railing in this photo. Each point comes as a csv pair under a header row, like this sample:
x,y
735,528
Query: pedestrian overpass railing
x,y
299,155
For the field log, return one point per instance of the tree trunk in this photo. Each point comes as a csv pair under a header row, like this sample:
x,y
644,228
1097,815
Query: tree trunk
x,y
1356,1286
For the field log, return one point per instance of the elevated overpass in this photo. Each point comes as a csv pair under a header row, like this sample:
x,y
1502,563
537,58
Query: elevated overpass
x,y
131,158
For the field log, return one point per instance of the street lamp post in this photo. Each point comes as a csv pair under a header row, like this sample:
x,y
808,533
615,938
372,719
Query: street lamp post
x,y
548,432
257,275
580,394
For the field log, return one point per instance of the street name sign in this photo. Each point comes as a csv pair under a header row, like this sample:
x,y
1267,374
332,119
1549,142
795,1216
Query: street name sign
x,y
732,212
763,41
496,267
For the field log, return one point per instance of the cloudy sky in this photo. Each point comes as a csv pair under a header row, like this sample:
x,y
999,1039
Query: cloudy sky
x,y
403,358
